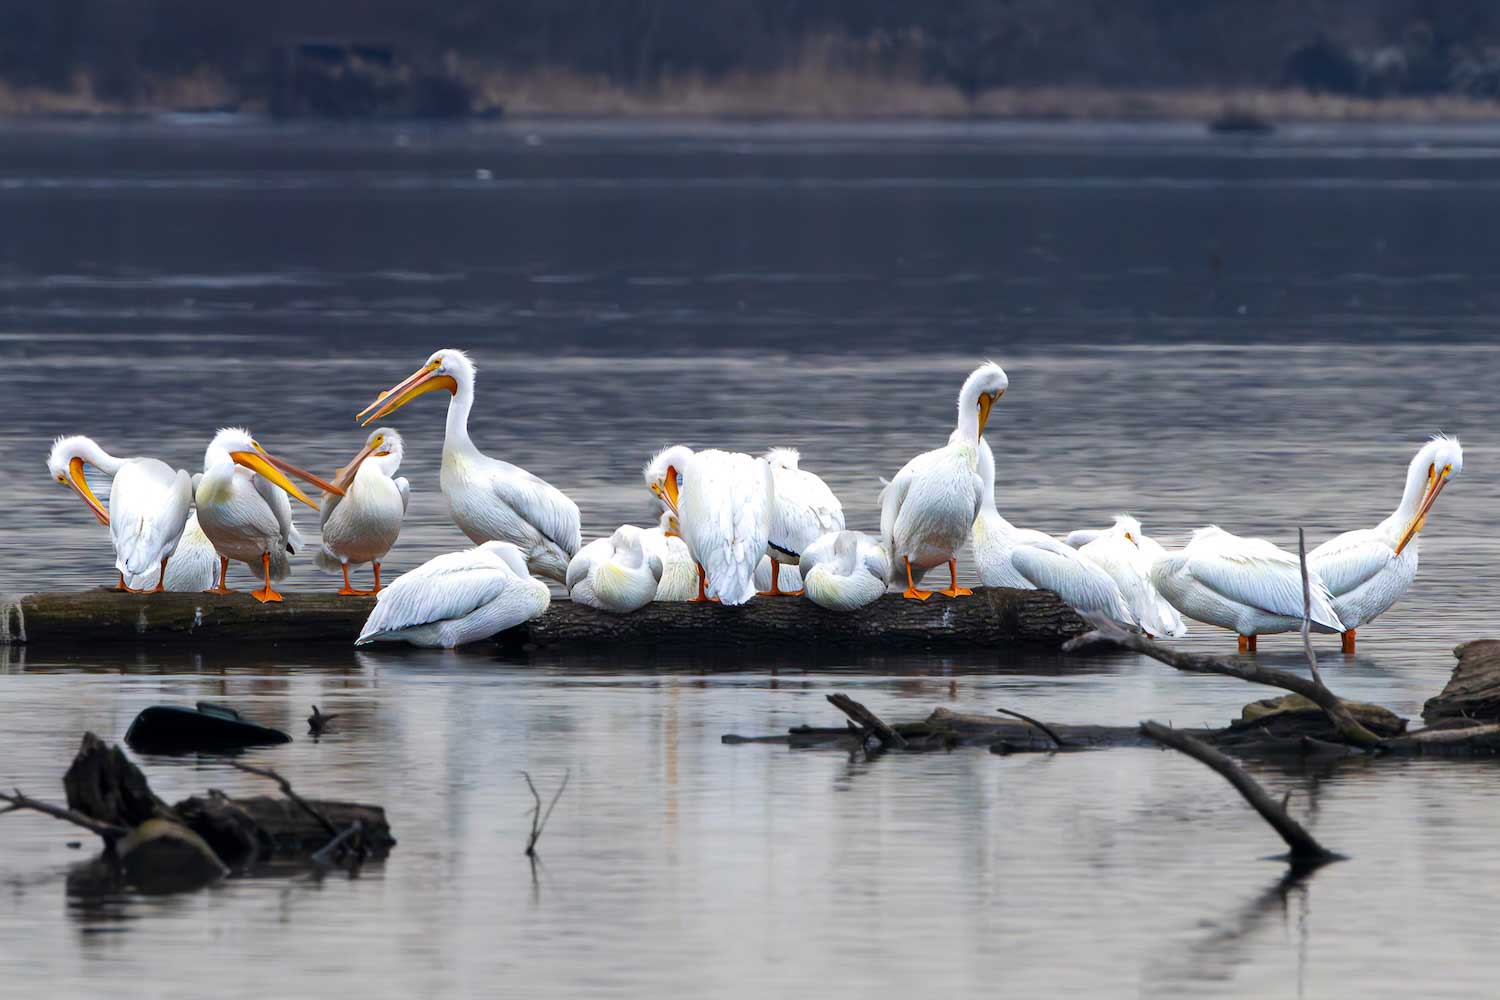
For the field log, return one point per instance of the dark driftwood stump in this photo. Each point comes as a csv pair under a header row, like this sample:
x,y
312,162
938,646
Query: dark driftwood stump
x,y
1473,692
993,616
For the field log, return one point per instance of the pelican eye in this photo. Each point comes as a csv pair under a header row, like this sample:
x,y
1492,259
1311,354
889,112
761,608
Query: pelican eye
x,y
62,479
1447,470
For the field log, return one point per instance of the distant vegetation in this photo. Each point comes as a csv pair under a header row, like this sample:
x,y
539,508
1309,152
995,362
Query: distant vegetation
x,y
183,52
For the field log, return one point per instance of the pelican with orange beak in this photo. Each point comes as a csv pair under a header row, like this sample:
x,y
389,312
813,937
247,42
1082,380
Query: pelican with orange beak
x,y
149,503
489,500
362,525
244,510
1368,569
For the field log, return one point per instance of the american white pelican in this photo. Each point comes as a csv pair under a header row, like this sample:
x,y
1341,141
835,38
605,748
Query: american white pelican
x,y
149,503
787,577
1122,551
619,573
1079,537
193,567
1008,556
243,507
927,508
1368,569
805,511
724,502
456,598
489,499
362,525
679,574
1244,584
844,570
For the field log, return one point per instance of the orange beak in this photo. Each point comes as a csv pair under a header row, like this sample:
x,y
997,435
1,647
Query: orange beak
x,y
987,403
670,488
81,487
1434,487
420,382
274,470
347,476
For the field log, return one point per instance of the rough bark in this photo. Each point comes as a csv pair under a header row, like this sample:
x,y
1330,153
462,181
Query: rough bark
x,y
1473,692
103,785
244,831
992,616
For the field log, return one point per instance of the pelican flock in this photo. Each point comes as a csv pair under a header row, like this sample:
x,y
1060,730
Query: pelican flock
x,y
730,527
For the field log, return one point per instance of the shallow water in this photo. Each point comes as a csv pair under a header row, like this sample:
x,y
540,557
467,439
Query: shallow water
x,y
1254,333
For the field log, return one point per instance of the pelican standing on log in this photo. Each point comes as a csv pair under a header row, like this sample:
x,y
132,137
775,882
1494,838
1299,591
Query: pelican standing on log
x,y
362,525
1368,569
244,510
805,511
489,500
724,503
149,502
1247,585
927,508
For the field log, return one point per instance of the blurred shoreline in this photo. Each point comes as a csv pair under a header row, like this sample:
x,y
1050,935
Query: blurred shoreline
x,y
819,94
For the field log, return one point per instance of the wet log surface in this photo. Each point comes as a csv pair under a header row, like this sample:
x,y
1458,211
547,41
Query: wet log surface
x,y
992,616
1473,691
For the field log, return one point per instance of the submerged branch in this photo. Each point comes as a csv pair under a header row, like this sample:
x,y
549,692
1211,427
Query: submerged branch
x,y
872,724
1032,722
539,818
20,800
1304,848
286,789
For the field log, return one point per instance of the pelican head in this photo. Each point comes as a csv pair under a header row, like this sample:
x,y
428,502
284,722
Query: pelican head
x,y
663,475
66,461
783,458
509,555
1438,461
1129,527
982,388
383,443
234,444
448,369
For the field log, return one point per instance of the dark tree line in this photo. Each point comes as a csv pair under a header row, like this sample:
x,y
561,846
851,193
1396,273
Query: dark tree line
x,y
1356,46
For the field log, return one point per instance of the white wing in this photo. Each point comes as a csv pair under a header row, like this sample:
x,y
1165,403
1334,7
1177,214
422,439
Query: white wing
x,y
805,510
542,505
1051,565
727,507
1257,574
892,496
281,507
149,503
443,588
599,550
1122,561
404,488
1082,536
1349,561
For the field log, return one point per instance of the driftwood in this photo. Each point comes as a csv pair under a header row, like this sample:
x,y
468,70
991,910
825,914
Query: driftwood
x,y
1473,692
992,616
871,725
1305,851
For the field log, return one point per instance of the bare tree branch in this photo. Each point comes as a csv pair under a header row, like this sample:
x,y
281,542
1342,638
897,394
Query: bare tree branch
x,y
20,800
1030,721
872,723
286,789
1304,848
1307,648
539,818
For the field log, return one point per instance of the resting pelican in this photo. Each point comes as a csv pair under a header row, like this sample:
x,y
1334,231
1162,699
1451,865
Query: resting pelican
x,y
619,573
456,598
489,499
243,507
363,524
1244,584
806,510
679,574
1368,569
926,510
724,502
194,565
1121,551
844,570
149,503
1008,556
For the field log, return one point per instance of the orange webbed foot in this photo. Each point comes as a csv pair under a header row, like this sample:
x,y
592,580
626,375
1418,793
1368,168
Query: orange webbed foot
x,y
913,594
266,596
957,592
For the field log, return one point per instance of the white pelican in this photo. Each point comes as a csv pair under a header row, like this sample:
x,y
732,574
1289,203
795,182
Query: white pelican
x,y
194,566
1008,556
243,507
489,499
679,574
456,598
1079,537
724,503
1122,551
1244,584
805,511
362,525
787,576
1368,569
844,570
149,503
927,508
619,573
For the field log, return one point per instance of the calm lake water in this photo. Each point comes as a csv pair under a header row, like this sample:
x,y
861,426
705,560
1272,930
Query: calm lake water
x,y
1255,333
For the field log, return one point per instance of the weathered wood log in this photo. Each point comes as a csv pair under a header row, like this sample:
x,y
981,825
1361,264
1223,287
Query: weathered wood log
x,y
246,831
872,724
103,785
993,616
1473,691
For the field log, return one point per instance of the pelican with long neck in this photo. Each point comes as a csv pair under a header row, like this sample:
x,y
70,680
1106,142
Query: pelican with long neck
x,y
362,526
1367,570
489,500
928,507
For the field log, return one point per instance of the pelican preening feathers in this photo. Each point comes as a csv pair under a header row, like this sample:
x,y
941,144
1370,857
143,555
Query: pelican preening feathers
x,y
725,517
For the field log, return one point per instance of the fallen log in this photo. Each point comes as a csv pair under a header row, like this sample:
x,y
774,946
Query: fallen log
x,y
992,616
1473,690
